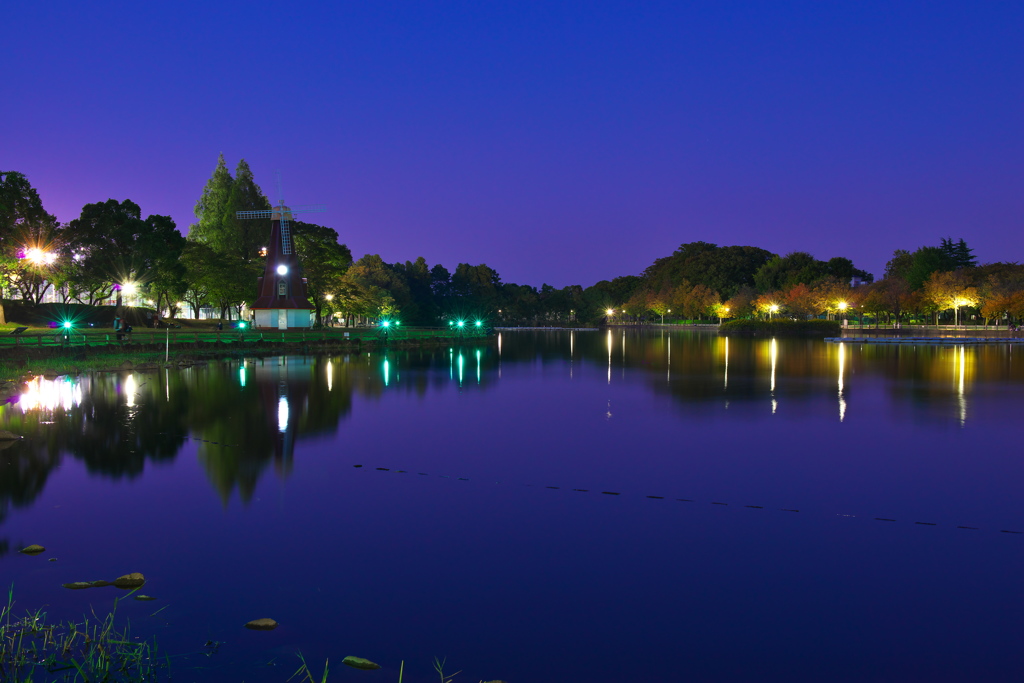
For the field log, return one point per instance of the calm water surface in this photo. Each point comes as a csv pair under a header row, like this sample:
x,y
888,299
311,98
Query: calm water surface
x,y
559,506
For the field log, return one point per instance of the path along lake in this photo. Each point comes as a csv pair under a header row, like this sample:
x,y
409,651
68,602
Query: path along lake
x,y
553,506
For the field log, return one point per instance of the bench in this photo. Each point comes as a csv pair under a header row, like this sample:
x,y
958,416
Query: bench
x,y
16,333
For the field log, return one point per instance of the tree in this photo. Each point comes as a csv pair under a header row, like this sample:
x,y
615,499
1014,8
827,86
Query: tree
x,y
721,269
249,235
831,295
324,262
769,304
950,290
783,273
212,210
24,225
958,253
801,301
891,295
740,304
374,276
115,245
924,262
899,265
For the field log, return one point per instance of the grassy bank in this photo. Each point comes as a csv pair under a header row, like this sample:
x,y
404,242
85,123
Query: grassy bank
x,y
94,352
780,328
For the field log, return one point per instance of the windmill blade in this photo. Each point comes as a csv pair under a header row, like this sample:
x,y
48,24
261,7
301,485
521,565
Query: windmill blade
x,y
253,214
286,237
309,208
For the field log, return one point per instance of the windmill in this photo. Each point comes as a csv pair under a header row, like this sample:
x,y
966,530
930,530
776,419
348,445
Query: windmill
x,y
283,214
281,299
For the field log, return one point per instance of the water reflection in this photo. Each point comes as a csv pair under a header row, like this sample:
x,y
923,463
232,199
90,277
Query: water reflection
x,y
246,417
47,395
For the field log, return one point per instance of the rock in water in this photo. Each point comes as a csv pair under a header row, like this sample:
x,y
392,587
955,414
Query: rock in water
x,y
133,580
78,585
262,625
32,549
360,663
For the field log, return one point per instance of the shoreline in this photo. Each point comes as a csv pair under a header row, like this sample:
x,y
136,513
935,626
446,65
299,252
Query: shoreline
x,y
18,364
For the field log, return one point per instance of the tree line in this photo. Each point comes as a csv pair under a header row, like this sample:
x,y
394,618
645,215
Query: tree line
x,y
110,247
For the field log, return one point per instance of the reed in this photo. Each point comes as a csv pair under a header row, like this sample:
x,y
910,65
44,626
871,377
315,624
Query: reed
x,y
95,649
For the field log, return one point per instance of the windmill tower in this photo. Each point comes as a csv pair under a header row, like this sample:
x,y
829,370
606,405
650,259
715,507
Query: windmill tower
x,y
281,299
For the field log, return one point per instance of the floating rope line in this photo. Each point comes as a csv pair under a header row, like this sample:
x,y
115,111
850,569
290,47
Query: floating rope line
x,y
690,500
618,493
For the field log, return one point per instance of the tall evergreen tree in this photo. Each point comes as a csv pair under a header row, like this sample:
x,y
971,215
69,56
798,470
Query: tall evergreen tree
x,y
959,254
212,209
250,235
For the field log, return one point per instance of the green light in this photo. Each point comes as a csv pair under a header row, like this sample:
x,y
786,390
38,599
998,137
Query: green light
x,y
241,326
67,324
386,323
450,323
478,323
461,323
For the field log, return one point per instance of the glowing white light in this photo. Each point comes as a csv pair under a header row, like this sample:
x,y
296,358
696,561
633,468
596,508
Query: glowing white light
x,y
842,366
40,257
282,414
282,270
48,394
129,288
129,390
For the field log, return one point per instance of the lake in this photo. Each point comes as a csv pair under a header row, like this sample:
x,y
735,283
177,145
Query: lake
x,y
553,506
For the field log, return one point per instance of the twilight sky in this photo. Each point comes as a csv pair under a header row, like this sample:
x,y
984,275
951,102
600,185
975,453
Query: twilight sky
x,y
557,142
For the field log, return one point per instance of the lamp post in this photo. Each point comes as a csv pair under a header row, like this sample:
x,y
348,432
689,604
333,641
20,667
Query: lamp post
x,y
772,310
842,305
957,303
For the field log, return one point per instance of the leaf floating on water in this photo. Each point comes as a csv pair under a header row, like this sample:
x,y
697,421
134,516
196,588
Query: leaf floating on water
x,y
262,625
32,549
133,580
144,597
360,663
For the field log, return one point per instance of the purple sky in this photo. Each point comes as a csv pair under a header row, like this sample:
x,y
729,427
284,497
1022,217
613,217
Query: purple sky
x,y
557,142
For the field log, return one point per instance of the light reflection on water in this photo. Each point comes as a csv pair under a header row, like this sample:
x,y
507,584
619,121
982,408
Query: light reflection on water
x,y
47,395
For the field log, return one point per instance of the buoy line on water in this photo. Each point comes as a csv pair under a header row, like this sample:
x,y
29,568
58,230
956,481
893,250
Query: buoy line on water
x,y
685,500
651,497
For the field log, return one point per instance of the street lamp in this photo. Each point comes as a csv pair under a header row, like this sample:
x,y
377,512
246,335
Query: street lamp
x,y
957,303
773,309
842,306
723,312
39,257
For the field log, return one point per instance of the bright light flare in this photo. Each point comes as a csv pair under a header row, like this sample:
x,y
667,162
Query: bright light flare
x,y
39,257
